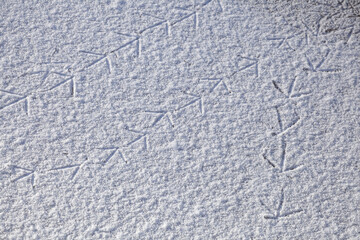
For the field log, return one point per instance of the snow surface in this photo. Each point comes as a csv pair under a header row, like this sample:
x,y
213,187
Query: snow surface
x,y
167,119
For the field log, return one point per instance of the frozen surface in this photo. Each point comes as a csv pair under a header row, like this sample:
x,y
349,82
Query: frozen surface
x,y
206,119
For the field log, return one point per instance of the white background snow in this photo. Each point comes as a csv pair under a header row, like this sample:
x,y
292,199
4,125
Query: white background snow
x,y
167,119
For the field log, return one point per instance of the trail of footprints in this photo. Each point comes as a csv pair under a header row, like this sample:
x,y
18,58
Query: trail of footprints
x,y
141,137
105,57
137,37
282,164
26,98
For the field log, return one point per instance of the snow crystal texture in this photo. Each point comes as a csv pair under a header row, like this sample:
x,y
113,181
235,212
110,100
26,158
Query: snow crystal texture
x,y
168,119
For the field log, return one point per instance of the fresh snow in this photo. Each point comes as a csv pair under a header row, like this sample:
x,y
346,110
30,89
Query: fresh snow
x,y
167,119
